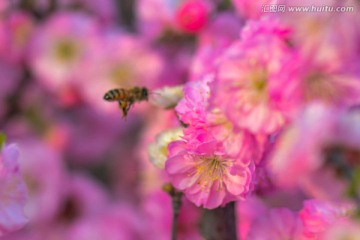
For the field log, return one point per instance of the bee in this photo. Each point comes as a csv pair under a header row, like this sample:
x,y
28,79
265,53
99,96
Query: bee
x,y
126,97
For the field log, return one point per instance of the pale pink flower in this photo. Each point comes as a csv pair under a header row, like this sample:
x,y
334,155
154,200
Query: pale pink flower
x,y
211,173
322,82
59,47
278,223
304,155
317,216
249,86
13,195
326,37
43,172
120,60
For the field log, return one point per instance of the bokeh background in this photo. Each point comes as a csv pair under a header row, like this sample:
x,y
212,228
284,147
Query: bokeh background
x,y
86,167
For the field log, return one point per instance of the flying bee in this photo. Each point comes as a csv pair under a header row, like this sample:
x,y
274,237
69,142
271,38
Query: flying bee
x,y
127,97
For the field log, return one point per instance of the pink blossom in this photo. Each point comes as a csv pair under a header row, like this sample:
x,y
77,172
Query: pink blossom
x,y
192,15
248,84
322,82
13,195
276,224
46,189
326,37
210,172
157,17
59,47
306,150
119,60
192,109
317,216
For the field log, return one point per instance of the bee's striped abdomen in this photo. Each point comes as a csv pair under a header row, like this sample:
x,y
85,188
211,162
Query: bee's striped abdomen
x,y
115,95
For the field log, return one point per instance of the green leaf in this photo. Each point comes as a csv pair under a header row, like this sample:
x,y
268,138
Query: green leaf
x,y
2,140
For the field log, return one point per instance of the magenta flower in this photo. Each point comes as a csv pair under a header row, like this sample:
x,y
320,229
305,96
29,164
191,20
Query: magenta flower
x,y
317,216
192,15
249,86
192,109
210,172
13,194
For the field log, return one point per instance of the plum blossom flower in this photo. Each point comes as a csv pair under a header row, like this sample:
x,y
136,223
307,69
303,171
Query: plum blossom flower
x,y
210,172
158,150
317,216
192,15
319,138
156,17
121,60
248,86
59,47
192,109
46,189
13,195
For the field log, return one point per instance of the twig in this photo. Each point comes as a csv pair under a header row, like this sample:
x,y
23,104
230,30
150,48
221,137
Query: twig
x,y
219,223
176,204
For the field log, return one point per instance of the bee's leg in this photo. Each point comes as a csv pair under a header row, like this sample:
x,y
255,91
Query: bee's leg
x,y
123,105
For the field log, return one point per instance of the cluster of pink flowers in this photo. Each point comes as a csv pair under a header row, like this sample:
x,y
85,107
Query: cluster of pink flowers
x,y
245,105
